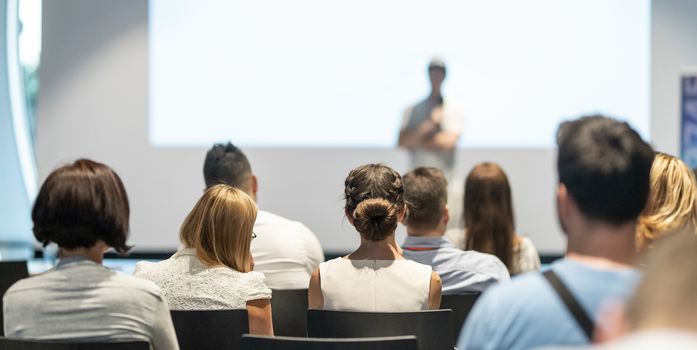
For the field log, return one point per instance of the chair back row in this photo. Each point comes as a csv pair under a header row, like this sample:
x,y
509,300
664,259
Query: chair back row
x,y
461,304
16,344
290,310
10,272
248,342
223,328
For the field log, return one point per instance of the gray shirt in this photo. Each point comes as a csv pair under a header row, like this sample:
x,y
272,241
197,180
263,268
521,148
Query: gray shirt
x,y
452,122
459,270
84,301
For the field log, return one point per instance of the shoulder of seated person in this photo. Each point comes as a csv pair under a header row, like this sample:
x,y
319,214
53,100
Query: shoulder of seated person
x,y
268,217
275,219
142,266
524,290
127,281
252,276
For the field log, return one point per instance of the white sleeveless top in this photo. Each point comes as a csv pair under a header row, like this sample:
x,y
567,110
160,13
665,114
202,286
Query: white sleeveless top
x,y
375,285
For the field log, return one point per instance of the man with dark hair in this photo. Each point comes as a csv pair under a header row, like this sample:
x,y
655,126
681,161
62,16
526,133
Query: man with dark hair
x,y
285,251
603,167
425,191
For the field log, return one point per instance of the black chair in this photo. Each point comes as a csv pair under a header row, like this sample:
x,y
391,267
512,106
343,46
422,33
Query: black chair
x,y
10,272
210,329
250,342
433,329
289,309
461,304
17,344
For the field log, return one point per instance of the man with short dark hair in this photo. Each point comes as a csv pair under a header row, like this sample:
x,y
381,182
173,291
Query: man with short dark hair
x,y
285,251
603,167
425,191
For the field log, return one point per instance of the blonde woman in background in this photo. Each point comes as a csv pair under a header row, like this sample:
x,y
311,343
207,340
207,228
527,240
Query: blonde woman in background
x,y
672,204
214,269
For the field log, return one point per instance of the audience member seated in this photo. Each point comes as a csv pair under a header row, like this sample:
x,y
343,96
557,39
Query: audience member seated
x,y
375,277
661,314
426,195
83,208
672,204
214,269
490,228
285,251
603,168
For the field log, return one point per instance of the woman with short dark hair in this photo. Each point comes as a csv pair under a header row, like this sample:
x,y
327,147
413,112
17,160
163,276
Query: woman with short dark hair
x,y
83,208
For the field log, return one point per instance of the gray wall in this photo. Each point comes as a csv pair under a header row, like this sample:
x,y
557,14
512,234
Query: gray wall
x,y
15,223
94,103
673,47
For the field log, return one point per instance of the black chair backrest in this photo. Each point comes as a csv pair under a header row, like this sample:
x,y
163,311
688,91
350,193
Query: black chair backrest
x,y
250,342
433,329
461,304
210,329
289,309
18,344
10,272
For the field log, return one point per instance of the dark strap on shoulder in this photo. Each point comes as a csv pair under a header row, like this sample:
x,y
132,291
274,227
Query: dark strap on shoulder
x,y
580,315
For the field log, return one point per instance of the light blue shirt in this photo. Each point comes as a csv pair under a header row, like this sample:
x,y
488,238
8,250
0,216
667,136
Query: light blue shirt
x,y
459,270
527,313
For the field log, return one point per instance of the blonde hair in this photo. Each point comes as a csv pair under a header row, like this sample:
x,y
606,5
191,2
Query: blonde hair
x,y
220,226
672,202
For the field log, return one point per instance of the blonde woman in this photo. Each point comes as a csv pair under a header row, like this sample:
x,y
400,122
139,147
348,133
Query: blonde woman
x,y
671,205
214,269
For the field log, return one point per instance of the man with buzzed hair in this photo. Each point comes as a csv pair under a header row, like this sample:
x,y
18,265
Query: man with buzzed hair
x,y
425,191
285,251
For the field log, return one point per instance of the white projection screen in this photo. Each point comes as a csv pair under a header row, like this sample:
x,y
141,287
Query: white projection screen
x,y
314,73
311,89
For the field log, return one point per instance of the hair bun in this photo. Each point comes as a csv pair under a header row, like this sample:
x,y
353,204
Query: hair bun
x,y
375,218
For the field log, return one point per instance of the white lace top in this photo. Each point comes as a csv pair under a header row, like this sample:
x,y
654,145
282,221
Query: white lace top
x,y
188,284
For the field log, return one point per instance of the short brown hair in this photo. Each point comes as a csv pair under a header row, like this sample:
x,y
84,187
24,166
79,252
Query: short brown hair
x,y
426,194
80,204
374,199
220,227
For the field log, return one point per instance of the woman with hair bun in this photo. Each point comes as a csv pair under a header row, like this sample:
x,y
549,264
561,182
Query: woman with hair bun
x,y
375,277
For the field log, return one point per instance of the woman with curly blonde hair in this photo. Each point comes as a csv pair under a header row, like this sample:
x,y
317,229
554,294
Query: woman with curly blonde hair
x,y
672,203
